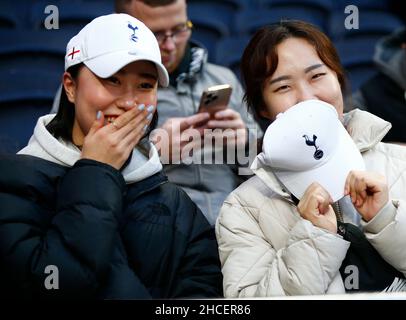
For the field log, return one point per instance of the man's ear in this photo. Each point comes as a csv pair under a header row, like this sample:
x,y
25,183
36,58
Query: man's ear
x,y
70,86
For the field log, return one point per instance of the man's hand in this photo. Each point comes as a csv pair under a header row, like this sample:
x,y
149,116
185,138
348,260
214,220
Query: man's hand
x,y
369,192
168,138
234,129
315,206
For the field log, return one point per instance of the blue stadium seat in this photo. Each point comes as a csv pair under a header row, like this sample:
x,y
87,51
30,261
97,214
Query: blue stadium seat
x,y
319,6
8,20
357,58
351,50
22,85
17,122
229,52
339,5
39,50
249,21
208,30
224,10
236,5
24,96
374,23
73,14
31,67
358,74
12,15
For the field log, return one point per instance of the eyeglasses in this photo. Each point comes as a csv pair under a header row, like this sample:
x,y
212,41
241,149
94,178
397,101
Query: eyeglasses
x,y
177,34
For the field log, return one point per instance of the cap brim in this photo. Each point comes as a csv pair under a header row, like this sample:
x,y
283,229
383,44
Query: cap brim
x,y
106,65
331,175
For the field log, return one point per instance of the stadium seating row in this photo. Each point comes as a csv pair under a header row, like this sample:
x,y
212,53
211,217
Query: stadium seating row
x,y
32,57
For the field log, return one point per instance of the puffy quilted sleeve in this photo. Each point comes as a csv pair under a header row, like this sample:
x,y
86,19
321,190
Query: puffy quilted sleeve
x,y
252,267
67,221
387,233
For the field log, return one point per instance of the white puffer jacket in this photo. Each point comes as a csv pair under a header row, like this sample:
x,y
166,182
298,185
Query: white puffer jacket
x,y
267,249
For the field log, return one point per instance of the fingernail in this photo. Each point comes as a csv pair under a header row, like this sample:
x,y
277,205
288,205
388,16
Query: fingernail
x,y
98,115
150,108
129,103
149,117
141,107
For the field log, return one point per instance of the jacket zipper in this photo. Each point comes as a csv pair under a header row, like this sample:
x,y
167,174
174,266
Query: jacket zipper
x,y
337,209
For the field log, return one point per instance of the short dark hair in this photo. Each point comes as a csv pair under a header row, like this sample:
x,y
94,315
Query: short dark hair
x,y
120,6
260,59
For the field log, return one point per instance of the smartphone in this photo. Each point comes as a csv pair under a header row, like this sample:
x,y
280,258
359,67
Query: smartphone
x,y
215,98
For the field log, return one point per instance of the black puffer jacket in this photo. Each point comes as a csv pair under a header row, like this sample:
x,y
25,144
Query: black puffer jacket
x,y
106,239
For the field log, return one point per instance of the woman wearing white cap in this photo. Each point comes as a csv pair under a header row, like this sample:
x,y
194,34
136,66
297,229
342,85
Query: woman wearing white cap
x,y
326,209
85,211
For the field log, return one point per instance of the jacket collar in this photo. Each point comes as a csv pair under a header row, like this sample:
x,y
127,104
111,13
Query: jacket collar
x,y
44,145
366,130
390,58
137,189
191,66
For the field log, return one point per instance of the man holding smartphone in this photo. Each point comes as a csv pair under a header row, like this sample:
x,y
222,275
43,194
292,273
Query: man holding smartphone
x,y
191,74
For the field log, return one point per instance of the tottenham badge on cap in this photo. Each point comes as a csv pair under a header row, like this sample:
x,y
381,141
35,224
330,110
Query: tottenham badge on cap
x,y
308,143
110,42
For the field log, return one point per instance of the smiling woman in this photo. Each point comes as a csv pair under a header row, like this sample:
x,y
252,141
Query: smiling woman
x,y
87,195
281,66
312,209
134,86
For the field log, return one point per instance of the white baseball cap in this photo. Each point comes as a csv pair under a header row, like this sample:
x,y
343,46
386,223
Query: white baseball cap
x,y
110,42
308,143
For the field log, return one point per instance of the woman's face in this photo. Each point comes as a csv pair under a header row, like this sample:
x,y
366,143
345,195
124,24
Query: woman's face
x,y
134,84
300,75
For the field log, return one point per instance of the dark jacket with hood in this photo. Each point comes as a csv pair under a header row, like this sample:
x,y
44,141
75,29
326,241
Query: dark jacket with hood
x,y
74,228
385,94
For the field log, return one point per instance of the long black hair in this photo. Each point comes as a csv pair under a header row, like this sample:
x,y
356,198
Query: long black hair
x,y
61,125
